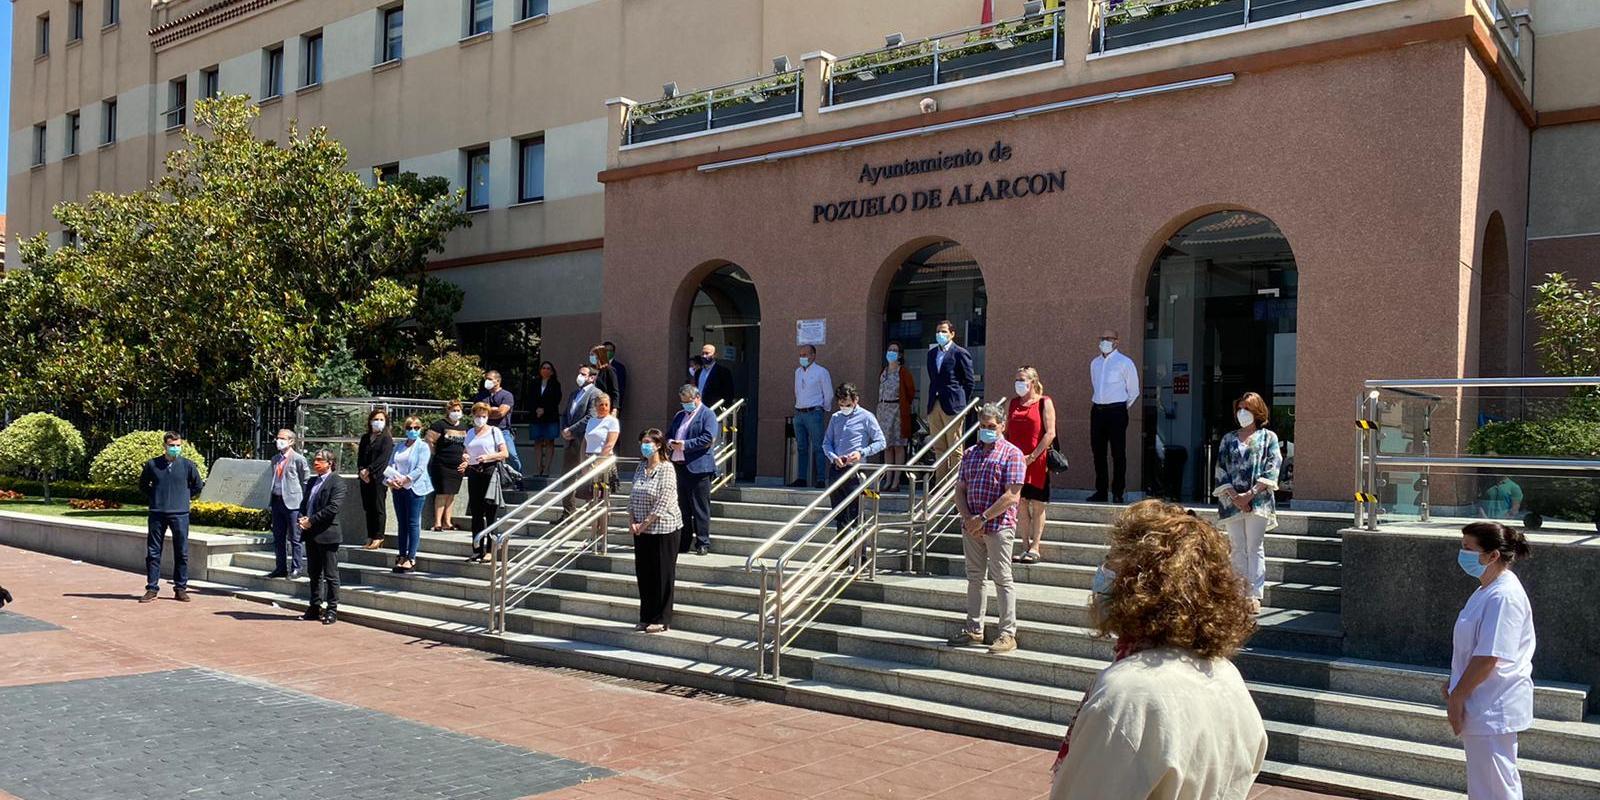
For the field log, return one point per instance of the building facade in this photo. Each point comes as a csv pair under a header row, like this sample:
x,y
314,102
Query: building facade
x,y
1288,196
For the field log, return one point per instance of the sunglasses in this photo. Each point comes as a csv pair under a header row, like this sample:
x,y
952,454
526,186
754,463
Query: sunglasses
x,y
413,428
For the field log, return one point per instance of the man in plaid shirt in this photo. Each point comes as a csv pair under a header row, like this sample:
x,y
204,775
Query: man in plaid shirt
x,y
987,492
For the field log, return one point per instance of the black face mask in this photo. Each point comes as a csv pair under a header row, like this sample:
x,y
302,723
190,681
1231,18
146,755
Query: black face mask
x,y
708,360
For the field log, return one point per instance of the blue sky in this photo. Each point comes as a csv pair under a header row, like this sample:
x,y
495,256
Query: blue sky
x,y
5,94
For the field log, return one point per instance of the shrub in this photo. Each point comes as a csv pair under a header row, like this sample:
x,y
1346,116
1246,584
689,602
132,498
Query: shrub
x,y
120,463
121,494
228,515
7,494
1550,494
93,505
42,446
451,376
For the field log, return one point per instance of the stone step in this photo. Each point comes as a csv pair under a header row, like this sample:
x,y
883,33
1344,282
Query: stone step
x,y
1382,766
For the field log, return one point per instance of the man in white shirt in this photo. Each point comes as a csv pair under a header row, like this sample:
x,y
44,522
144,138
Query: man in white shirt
x,y
1116,388
813,390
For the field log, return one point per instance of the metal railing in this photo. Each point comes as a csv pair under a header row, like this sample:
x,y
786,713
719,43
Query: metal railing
x,y
738,103
338,423
727,457
984,49
1149,21
812,573
561,543
1369,460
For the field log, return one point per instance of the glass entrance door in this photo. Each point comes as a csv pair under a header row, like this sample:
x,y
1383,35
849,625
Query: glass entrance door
x,y
1219,322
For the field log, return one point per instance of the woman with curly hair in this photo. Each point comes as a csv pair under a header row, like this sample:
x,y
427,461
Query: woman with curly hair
x,y
1171,718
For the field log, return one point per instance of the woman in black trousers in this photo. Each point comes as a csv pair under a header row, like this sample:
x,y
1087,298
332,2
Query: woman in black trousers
x,y
481,454
372,458
654,521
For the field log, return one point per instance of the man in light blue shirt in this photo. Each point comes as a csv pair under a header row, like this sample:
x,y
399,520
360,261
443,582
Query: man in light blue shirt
x,y
853,436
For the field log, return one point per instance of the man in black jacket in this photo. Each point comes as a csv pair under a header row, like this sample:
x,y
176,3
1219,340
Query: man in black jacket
x,y
714,380
169,481
319,523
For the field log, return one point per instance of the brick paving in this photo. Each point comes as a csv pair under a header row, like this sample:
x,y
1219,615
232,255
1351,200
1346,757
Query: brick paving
x,y
400,718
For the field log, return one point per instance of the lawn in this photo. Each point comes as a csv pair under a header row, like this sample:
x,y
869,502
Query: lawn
x,y
127,515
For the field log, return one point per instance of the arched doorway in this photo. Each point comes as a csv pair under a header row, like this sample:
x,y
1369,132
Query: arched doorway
x,y
1499,346
726,313
1219,321
938,281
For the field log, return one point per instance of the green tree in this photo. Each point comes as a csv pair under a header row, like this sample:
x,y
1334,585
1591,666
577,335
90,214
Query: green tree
x,y
41,446
1569,322
450,375
227,277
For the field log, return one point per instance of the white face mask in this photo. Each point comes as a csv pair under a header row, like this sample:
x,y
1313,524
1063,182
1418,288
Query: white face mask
x,y
582,379
455,416
480,421
1245,418
1106,346
488,384
1024,388
283,444
377,425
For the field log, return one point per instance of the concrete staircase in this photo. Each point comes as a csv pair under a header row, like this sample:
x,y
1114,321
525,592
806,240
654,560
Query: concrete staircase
x,y
1371,729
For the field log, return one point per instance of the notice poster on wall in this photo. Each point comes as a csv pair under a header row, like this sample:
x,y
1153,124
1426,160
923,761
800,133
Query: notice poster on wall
x,y
811,331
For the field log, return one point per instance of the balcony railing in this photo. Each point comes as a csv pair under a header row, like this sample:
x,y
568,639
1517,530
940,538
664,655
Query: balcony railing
x,y
739,103
1130,23
973,52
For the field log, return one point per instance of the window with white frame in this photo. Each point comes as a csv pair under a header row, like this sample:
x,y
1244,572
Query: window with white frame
x,y
177,103
311,59
393,35
72,133
480,16
477,178
39,133
108,121
272,73
528,9
530,169
75,21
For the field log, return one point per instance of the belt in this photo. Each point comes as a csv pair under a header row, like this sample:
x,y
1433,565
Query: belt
x,y
1110,405
807,410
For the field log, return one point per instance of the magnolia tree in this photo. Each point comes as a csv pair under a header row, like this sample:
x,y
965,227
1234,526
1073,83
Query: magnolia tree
x,y
234,275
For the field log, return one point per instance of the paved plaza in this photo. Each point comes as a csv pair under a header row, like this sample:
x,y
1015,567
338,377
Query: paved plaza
x,y
105,698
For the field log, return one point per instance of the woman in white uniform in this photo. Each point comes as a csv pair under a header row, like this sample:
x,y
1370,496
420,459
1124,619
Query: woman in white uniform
x,y
1490,694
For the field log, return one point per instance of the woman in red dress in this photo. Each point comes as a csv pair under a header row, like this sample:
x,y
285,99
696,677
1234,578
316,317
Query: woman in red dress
x,y
1031,426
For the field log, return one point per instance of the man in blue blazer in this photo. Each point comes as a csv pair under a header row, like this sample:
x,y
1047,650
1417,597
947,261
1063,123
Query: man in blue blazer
x,y
949,389
692,448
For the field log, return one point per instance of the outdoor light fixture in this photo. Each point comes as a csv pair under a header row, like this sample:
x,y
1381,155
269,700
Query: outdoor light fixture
x,y
1004,43
669,90
780,64
1137,10
894,40
865,75
1032,8
644,118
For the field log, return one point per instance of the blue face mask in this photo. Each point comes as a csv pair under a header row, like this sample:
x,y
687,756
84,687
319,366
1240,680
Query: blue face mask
x,y
988,435
594,359
804,362
412,434
1103,578
1470,564
647,449
174,450
688,406
942,338
892,356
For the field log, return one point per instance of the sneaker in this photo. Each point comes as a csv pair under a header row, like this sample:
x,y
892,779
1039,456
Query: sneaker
x,y
149,596
296,574
180,594
966,639
701,550
1004,644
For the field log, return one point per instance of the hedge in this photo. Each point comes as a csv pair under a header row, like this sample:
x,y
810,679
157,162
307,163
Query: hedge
x,y
228,515
1553,495
78,489
122,461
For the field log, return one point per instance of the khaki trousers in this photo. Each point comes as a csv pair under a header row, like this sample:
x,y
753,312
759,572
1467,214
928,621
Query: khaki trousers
x,y
990,555
937,419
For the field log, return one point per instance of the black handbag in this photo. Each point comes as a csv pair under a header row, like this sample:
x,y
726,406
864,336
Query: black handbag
x,y
1054,459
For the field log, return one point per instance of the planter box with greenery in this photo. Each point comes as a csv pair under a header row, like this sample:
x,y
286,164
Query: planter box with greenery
x,y
1172,21
989,60
733,105
1261,10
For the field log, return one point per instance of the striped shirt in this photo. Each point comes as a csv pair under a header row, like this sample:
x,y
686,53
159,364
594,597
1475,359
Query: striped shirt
x,y
655,492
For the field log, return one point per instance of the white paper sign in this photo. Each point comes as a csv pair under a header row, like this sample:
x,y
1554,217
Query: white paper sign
x,y
811,331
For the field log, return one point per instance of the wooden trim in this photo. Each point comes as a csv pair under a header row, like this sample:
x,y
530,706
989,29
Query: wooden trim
x,y
1485,46
1468,27
512,255
1568,116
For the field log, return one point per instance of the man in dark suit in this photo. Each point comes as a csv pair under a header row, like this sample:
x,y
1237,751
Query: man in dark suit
x,y
319,522
575,416
949,389
692,449
714,381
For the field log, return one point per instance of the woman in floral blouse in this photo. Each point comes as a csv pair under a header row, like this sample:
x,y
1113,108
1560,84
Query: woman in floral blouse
x,y
1247,476
654,521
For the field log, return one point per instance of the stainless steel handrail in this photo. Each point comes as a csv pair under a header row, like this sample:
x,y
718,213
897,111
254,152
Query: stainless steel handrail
x,y
727,458
1484,383
1043,16
1489,462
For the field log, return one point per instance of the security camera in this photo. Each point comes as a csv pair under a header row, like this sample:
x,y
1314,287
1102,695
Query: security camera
x,y
928,105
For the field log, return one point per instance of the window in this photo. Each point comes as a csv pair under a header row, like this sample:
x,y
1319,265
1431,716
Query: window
x,y
113,12
311,59
393,34
177,103
42,43
211,82
528,9
75,21
530,170
477,179
272,73
38,144
69,238
384,173
480,16
108,121
72,134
